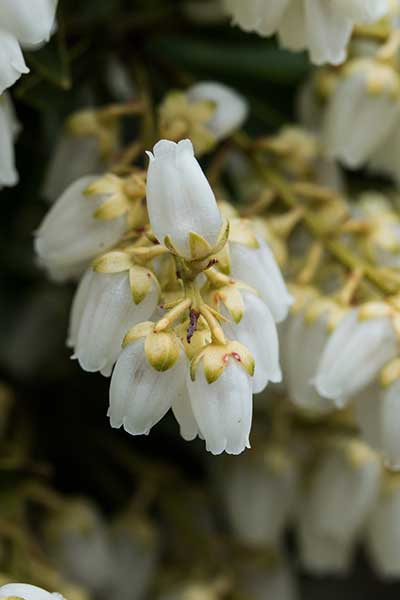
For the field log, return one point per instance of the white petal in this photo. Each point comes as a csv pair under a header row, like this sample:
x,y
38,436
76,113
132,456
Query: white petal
x,y
139,395
108,314
353,356
257,331
31,22
223,409
27,592
259,269
231,108
8,130
69,237
78,307
383,534
179,197
183,413
328,32
12,63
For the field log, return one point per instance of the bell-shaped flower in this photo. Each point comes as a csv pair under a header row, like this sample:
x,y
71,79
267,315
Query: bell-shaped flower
x,y
183,413
103,311
76,538
355,353
323,28
362,111
377,410
257,331
220,389
383,530
70,236
343,490
230,107
26,591
268,581
23,24
141,393
305,337
180,201
258,492
258,268
9,128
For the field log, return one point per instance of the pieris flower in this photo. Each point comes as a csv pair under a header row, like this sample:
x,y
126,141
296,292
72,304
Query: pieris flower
x,y
102,313
77,541
257,331
223,409
23,24
180,200
355,353
257,267
268,582
383,530
230,107
322,555
258,494
362,112
70,237
386,158
343,490
9,128
27,592
323,28
378,412
139,394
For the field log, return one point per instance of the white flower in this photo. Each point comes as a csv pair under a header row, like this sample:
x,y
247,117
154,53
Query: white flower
x,y
183,413
378,413
9,129
258,494
303,342
268,582
103,311
139,395
343,490
361,113
258,268
223,409
230,107
77,541
70,237
383,531
257,331
26,592
322,555
353,356
23,24
386,158
179,197
324,28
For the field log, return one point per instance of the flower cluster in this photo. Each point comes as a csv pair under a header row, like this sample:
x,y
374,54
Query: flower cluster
x,y
323,28
184,305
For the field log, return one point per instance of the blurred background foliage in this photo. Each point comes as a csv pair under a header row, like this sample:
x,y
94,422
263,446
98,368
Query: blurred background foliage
x,y
161,48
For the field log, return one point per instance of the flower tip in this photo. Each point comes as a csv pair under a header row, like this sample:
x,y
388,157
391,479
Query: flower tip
x,y
150,155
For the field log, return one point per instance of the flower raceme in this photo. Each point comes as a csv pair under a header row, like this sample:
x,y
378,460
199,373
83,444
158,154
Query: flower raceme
x,y
173,303
323,28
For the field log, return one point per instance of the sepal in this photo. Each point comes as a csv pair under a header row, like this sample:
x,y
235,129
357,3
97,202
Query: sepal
x,y
162,350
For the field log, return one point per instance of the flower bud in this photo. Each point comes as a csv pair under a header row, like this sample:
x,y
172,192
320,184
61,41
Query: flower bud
x,y
70,237
102,313
139,395
257,267
355,353
180,200
9,128
27,592
230,108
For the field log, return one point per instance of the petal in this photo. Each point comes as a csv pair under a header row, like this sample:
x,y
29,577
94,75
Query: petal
x,y
8,131
31,22
26,591
12,63
183,413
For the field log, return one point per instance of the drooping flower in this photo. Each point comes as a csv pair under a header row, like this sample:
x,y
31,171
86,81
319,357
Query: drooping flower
x,y
323,28
70,236
355,353
25,24
180,201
